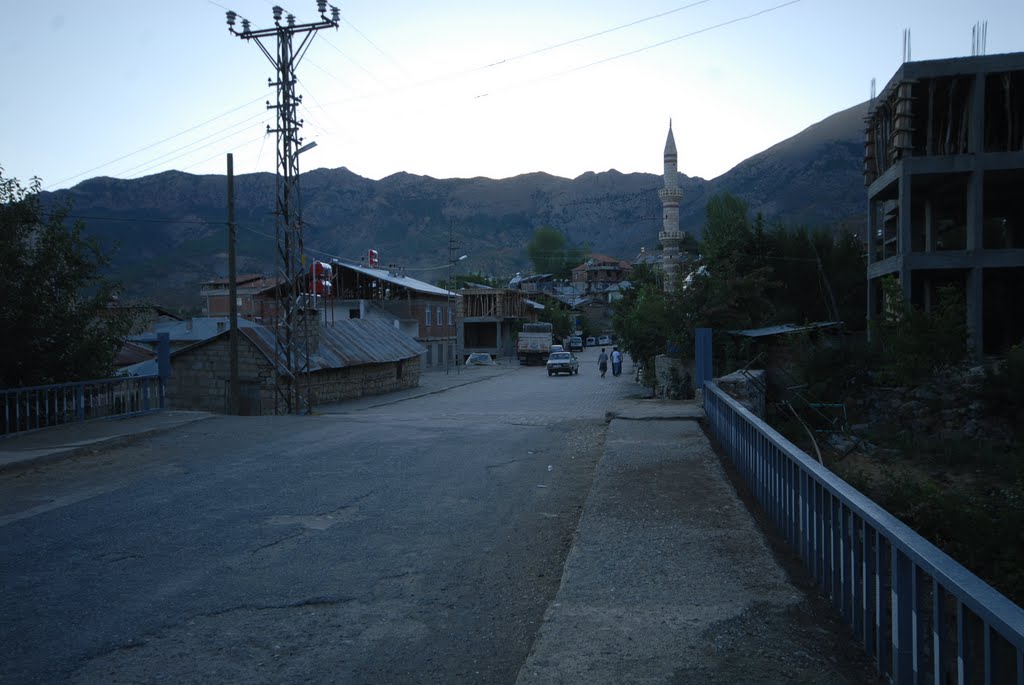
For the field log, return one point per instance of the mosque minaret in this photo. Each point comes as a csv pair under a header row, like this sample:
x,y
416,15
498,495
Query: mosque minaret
x,y
670,236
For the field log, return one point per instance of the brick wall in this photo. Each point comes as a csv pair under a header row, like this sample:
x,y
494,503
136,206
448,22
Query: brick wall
x,y
200,377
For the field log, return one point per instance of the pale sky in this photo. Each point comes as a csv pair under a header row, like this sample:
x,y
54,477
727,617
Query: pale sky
x,y
454,88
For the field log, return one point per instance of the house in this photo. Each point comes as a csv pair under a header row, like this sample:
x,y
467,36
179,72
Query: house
x,y
944,168
533,283
422,311
186,332
255,294
347,359
599,273
143,316
489,317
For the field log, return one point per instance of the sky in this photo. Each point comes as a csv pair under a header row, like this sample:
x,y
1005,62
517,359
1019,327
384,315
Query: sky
x,y
454,88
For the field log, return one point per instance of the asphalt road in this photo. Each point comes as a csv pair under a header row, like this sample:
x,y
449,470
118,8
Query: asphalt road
x,y
414,542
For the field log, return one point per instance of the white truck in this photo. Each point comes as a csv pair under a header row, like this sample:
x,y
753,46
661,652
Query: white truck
x,y
534,344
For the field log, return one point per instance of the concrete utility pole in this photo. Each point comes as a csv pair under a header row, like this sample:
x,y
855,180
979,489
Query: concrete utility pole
x,y
292,348
233,385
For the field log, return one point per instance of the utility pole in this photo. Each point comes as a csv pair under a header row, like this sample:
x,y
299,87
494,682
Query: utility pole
x,y
233,385
451,350
292,333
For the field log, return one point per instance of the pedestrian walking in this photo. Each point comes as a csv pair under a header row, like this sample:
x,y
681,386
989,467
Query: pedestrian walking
x,y
616,361
602,362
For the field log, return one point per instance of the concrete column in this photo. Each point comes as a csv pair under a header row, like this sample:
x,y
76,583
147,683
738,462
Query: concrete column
x,y
975,343
976,130
903,244
929,227
975,209
872,229
872,308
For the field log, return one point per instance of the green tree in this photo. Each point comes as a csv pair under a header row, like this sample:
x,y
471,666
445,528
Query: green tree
x,y
915,342
560,319
550,252
54,307
646,321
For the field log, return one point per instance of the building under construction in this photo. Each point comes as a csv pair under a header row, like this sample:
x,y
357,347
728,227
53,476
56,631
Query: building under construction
x,y
944,166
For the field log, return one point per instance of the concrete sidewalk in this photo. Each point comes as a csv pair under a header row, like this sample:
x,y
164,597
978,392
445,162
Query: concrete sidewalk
x,y
670,580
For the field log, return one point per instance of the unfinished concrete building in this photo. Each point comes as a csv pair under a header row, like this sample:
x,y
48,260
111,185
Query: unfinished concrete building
x,y
490,319
944,166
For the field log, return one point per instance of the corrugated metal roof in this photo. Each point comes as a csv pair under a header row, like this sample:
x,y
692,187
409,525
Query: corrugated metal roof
x,y
785,328
404,281
343,344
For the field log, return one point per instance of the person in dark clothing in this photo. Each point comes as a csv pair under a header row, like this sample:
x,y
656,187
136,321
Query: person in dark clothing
x,y
602,362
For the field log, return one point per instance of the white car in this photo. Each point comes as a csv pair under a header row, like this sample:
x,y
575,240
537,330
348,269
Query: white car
x,y
604,340
563,362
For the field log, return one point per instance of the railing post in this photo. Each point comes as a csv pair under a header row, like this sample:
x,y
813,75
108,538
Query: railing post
x,y
702,357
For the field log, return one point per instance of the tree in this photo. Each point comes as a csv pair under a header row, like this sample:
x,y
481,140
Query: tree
x,y
551,254
55,294
645,321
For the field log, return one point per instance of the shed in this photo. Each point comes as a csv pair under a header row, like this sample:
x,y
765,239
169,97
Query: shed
x,y
348,359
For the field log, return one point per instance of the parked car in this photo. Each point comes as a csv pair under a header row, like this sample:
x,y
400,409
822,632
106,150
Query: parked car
x,y
557,348
575,344
604,340
563,362
591,341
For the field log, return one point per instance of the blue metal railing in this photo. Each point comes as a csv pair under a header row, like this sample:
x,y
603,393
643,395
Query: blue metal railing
x,y
919,614
42,406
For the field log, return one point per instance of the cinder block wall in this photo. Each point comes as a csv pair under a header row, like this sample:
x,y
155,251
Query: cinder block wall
x,y
199,379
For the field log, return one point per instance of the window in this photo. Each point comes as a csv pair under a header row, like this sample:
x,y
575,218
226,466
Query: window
x,y
428,315
451,315
440,321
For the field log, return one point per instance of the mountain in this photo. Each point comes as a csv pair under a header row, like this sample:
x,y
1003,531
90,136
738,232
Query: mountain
x,y
169,228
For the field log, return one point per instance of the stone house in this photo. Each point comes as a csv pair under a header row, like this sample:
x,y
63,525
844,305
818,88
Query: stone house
x,y
347,359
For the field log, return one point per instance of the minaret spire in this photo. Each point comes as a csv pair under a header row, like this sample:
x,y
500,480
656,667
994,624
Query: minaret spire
x,y
670,236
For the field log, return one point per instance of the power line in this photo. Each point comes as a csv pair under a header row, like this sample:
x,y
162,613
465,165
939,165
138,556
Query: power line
x,y
592,35
677,38
152,145
167,156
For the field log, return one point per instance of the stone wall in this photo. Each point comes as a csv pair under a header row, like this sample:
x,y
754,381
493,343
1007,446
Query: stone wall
x,y
200,377
748,388
338,385
665,384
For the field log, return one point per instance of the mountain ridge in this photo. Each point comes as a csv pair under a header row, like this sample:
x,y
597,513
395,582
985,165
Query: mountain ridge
x,y
171,236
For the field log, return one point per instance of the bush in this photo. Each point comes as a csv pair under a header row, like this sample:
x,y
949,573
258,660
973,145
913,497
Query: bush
x,y
1002,389
914,342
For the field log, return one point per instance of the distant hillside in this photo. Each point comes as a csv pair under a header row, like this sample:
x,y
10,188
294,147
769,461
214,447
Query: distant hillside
x,y
171,235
